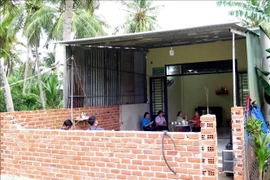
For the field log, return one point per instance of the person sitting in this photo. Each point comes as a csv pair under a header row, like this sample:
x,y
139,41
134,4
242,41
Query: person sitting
x,y
93,124
196,121
66,125
180,118
146,122
161,123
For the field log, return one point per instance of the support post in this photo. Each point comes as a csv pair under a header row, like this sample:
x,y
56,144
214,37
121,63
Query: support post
x,y
234,69
240,33
71,90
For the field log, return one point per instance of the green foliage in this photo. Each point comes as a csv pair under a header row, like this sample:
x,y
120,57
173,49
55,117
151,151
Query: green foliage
x,y
51,86
141,16
261,144
262,75
262,152
31,100
22,102
253,13
254,126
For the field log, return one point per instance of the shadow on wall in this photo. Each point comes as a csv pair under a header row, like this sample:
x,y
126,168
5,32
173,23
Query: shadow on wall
x,y
131,116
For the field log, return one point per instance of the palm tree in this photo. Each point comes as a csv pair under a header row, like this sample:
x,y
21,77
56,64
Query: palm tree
x,y
36,17
141,16
67,26
82,20
253,13
6,87
7,40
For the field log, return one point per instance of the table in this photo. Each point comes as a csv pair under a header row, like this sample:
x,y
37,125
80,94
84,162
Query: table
x,y
84,120
182,126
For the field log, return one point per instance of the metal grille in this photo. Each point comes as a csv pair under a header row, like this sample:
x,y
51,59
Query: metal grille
x,y
157,95
251,170
243,88
105,77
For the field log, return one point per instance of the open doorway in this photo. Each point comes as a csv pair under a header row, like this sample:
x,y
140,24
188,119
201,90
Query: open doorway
x,y
186,91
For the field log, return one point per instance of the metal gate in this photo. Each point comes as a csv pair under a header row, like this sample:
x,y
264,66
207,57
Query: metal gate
x,y
158,95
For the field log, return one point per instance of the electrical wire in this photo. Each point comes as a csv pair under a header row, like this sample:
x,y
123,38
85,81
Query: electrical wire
x,y
163,153
31,77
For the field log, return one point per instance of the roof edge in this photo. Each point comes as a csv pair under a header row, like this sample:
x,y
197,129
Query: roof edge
x,y
147,33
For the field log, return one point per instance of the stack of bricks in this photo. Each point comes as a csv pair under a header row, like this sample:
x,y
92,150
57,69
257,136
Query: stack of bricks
x,y
238,136
209,148
108,117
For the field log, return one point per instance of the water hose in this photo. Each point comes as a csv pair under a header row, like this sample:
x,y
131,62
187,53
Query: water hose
x,y
163,153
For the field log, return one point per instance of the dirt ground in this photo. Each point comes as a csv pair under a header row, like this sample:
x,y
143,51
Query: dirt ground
x,y
267,175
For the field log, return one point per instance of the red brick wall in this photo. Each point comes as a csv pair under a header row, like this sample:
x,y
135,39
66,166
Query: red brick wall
x,y
108,117
56,154
238,136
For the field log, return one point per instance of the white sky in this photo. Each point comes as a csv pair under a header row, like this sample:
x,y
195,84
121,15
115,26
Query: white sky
x,y
174,14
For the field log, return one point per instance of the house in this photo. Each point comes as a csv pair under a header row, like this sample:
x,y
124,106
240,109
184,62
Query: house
x,y
166,70
135,73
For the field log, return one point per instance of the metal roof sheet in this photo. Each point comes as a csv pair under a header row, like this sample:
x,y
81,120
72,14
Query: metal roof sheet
x,y
155,39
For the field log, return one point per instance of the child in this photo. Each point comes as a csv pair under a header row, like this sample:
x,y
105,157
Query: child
x,y
66,125
93,124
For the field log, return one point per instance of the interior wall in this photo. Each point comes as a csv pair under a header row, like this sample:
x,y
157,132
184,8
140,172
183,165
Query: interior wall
x,y
188,92
131,116
159,57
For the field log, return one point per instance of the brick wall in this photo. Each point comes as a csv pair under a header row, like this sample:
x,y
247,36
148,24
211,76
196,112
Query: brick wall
x,y
55,154
108,117
238,136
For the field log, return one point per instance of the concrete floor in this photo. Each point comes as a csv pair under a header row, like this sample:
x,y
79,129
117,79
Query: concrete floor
x,y
224,177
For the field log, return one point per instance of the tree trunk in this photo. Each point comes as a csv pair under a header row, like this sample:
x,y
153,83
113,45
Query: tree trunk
x,y
7,92
67,26
42,98
26,68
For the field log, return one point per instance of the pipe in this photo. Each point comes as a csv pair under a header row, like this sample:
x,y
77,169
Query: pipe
x,y
164,157
234,69
71,89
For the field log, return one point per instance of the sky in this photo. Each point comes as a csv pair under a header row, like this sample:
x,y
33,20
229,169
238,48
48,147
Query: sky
x,y
174,14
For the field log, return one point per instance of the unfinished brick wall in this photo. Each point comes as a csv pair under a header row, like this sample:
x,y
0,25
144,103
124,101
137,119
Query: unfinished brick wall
x,y
108,117
238,136
78,155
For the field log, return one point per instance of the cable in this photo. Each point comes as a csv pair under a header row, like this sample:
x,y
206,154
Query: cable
x,y
162,147
80,82
46,71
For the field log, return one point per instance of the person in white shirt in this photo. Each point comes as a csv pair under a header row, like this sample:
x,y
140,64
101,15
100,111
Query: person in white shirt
x,y
161,123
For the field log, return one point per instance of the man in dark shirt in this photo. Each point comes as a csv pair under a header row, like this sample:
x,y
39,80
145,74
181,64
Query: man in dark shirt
x,y
66,125
93,124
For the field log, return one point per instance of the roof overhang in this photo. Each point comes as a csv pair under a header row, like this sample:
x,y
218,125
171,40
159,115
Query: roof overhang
x,y
157,39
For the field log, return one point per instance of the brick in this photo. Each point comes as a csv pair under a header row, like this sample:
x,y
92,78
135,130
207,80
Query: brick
x,y
101,155
193,136
209,178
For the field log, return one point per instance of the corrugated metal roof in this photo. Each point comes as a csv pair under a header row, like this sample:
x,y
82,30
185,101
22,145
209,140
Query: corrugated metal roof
x,y
155,39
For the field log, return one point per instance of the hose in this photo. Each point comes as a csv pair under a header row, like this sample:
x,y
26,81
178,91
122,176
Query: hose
x,y
162,147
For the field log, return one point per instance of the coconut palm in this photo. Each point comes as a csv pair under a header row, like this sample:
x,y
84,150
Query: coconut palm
x,y
81,19
38,17
141,16
253,13
7,40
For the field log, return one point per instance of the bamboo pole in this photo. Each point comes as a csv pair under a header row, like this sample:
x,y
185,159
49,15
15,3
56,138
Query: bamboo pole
x,y
207,99
71,89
